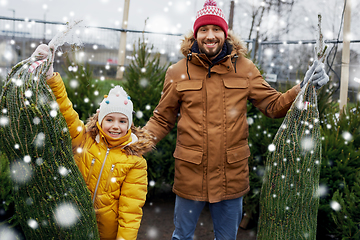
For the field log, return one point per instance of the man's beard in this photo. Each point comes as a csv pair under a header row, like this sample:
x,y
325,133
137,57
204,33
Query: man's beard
x,y
210,53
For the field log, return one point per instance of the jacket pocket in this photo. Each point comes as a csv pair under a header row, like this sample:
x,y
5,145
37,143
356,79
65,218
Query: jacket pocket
x,y
188,85
236,82
188,155
238,154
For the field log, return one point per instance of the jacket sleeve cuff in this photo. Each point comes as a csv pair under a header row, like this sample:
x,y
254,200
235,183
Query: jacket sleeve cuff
x,y
55,77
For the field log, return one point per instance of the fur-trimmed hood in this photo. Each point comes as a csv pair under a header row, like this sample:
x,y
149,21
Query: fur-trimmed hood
x,y
142,142
238,46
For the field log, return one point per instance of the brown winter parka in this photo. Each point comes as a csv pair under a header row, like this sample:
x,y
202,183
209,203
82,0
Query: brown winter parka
x,y
209,104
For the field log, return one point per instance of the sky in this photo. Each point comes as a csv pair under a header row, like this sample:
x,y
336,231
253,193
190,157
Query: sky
x,y
164,15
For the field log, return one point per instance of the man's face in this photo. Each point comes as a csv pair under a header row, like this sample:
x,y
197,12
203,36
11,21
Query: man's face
x,y
211,39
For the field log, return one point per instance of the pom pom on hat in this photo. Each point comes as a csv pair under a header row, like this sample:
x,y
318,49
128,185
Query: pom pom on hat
x,y
210,14
116,101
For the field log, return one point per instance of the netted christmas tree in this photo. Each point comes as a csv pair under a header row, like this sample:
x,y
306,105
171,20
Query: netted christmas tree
x,y
50,194
289,197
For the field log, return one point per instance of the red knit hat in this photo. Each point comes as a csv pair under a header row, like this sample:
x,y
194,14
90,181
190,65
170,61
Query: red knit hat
x,y
210,14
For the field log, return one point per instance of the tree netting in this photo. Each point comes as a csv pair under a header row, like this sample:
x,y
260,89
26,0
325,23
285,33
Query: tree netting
x,y
50,194
289,197
289,200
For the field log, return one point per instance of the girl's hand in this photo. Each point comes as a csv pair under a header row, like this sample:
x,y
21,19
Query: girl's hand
x,y
42,52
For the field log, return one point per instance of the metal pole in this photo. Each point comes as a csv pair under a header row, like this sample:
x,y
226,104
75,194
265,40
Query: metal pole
x,y
253,44
231,17
345,57
122,46
13,10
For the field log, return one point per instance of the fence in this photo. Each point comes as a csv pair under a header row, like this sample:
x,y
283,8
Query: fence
x,y
281,60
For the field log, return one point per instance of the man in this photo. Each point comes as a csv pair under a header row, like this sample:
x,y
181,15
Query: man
x,y
207,93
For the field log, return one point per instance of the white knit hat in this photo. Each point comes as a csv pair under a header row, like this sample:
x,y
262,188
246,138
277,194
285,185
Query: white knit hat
x,y
117,101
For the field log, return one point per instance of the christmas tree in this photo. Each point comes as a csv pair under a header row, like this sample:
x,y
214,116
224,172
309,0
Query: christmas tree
x,y
144,82
339,177
83,92
50,195
289,197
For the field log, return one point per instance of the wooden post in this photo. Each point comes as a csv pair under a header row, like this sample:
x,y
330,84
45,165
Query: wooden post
x,y
122,44
231,17
344,85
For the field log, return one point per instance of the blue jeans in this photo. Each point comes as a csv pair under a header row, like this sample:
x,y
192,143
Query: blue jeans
x,y
226,216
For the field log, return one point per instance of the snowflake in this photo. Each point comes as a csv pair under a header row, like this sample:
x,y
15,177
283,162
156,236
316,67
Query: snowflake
x,y
4,121
74,83
153,233
322,190
33,223
272,147
28,93
139,114
27,159
347,136
66,215
39,161
144,82
152,183
53,113
21,172
36,120
63,171
335,206
250,120
307,144
40,139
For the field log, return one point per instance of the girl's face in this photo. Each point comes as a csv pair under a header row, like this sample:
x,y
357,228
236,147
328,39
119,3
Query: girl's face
x,y
115,125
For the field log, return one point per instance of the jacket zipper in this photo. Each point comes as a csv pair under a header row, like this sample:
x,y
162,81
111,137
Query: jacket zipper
x,y
109,178
91,170
98,181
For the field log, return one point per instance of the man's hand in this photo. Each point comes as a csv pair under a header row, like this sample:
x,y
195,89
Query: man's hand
x,y
42,52
317,75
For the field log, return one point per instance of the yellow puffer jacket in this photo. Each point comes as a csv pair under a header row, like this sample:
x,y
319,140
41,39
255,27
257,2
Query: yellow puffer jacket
x,y
116,177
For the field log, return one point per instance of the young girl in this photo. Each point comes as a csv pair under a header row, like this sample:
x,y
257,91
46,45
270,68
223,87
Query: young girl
x,y
108,152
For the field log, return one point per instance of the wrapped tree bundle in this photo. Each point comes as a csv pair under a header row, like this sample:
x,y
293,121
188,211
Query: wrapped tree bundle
x,y
50,194
289,197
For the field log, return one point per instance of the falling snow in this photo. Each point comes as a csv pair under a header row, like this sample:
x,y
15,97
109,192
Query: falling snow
x,y
272,147
40,139
21,172
4,121
347,136
335,206
63,171
307,144
8,233
139,114
67,214
33,223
